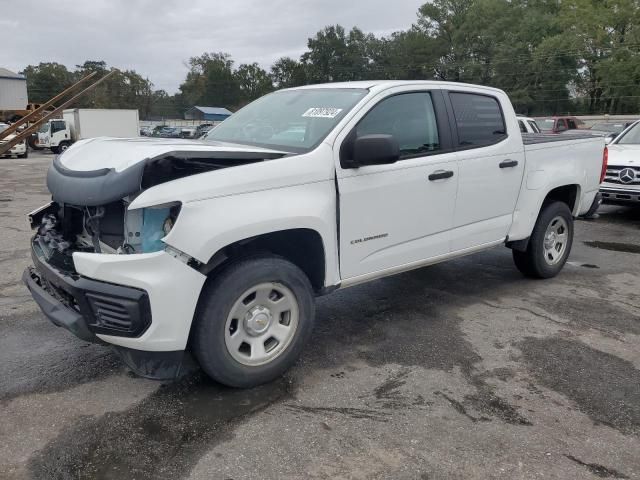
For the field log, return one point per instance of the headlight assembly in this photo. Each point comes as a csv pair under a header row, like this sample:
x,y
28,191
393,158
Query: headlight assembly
x,y
145,228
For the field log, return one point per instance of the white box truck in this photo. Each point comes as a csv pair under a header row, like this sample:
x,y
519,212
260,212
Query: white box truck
x,y
81,123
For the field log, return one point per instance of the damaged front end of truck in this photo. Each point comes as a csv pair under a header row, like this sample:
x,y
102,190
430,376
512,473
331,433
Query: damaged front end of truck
x,y
89,223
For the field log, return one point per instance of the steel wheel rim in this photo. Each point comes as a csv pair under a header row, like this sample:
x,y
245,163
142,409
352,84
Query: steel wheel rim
x,y
63,148
261,324
556,238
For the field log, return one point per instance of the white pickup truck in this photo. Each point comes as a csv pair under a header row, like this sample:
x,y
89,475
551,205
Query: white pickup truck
x,y
218,247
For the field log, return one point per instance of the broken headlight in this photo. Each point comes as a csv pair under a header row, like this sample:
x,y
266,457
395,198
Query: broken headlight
x,y
145,228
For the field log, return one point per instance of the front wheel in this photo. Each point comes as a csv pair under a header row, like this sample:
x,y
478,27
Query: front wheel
x,y
550,243
253,321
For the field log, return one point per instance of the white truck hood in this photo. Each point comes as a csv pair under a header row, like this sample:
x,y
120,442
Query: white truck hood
x,y
624,155
122,153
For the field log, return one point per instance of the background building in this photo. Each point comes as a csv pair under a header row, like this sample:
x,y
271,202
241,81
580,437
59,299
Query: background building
x,y
212,114
13,90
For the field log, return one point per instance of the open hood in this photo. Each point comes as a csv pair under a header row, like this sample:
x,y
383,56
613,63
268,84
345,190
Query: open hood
x,y
121,153
103,170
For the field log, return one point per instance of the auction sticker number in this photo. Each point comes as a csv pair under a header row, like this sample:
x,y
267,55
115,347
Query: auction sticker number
x,y
322,112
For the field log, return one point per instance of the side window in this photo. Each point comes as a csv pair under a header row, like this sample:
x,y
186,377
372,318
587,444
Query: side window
x,y
410,118
562,125
523,129
57,127
572,124
479,119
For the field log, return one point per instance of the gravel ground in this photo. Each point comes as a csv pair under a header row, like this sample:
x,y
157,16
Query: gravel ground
x,y
460,370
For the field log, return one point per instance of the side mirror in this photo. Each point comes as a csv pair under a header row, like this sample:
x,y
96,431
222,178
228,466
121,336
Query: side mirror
x,y
375,149
609,138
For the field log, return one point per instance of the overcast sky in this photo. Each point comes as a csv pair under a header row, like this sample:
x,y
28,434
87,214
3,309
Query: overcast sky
x,y
156,37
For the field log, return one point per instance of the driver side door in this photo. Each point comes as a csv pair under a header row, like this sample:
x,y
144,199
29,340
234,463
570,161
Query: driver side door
x,y
397,216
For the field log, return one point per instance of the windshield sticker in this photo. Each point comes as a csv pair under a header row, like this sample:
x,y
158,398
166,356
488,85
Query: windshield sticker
x,y
322,112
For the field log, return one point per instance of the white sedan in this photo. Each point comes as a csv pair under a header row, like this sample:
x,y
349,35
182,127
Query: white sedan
x,y
527,125
19,150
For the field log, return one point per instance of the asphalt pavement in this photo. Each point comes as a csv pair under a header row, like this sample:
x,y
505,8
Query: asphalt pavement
x,y
460,370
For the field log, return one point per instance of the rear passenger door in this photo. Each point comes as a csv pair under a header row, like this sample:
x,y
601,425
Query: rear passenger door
x,y
393,216
490,165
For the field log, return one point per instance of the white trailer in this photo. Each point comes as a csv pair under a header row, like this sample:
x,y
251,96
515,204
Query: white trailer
x,y
82,123
13,90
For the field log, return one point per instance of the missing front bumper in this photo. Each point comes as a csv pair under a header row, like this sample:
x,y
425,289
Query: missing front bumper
x,y
84,306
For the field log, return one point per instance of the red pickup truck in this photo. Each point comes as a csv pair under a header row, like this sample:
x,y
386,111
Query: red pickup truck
x,y
559,124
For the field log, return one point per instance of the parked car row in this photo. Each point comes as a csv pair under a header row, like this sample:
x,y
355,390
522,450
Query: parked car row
x,y
165,131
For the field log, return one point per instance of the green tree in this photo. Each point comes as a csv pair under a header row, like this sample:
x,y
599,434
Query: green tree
x,y
606,33
335,56
287,72
211,81
46,80
253,81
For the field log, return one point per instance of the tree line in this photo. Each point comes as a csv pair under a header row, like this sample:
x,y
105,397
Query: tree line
x,y
550,56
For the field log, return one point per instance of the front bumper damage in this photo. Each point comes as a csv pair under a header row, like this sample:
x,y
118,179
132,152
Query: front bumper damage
x,y
142,304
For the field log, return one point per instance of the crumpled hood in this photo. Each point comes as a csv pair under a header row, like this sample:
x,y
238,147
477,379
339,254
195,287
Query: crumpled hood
x,y
624,155
122,153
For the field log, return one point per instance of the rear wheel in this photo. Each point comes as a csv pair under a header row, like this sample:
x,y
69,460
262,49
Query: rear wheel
x,y
550,243
253,320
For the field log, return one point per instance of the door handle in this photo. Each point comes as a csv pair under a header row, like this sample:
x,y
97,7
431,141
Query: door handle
x,y
440,175
508,163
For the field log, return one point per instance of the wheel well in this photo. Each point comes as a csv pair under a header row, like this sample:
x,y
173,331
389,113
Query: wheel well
x,y
567,194
302,247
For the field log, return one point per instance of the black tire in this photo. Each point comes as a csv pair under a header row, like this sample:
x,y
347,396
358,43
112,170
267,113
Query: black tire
x,y
218,298
63,146
25,154
532,262
55,150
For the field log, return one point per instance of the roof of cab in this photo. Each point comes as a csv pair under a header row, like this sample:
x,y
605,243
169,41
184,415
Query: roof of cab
x,y
384,84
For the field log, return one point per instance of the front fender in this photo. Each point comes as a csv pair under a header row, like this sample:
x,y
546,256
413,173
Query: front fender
x,y
205,227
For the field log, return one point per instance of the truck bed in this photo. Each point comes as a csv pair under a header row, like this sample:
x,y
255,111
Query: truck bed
x,y
535,138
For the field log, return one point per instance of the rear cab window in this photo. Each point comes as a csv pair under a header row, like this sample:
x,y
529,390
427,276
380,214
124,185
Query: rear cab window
x,y
479,119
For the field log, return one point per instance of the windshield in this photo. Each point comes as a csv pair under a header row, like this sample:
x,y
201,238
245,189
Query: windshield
x,y
545,124
3,127
631,137
289,120
44,128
